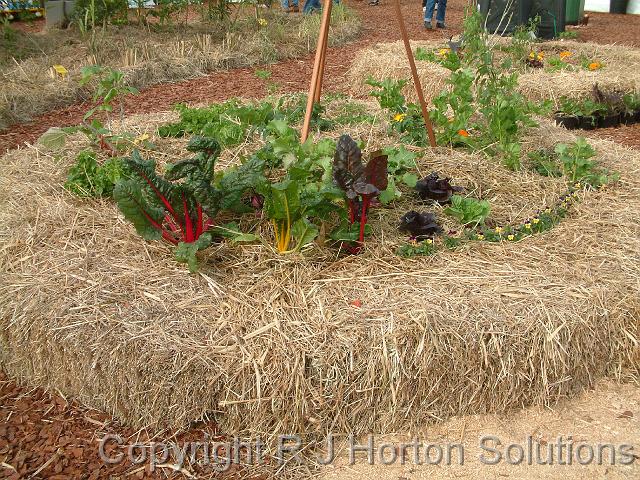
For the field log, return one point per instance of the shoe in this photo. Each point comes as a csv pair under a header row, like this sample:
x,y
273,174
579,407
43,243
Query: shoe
x,y
440,25
424,9
373,2
294,10
427,25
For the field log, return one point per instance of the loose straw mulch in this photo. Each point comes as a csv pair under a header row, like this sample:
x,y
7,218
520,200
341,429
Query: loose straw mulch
x,y
270,344
621,70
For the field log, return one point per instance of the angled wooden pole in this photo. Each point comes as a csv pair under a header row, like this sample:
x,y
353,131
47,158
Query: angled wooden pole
x,y
323,58
322,37
414,73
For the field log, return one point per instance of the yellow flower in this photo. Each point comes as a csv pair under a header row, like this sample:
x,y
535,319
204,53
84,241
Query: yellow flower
x,y
532,55
548,210
565,54
60,70
527,226
510,237
578,185
443,52
499,230
262,22
429,241
595,66
398,117
540,55
536,221
480,237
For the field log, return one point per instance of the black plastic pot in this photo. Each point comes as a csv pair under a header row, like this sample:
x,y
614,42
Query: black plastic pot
x,y
618,6
588,123
570,122
628,118
609,121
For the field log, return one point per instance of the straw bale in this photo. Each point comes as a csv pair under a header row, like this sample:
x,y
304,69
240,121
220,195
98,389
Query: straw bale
x,y
270,344
621,70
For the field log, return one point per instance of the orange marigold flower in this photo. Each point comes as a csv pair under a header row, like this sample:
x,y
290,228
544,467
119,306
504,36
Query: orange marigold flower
x,y
564,54
463,133
594,66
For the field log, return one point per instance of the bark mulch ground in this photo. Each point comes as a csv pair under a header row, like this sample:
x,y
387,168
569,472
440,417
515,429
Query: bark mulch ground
x,y
42,435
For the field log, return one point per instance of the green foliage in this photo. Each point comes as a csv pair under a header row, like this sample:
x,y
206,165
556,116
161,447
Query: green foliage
x,y
178,207
86,178
582,108
426,247
545,163
468,210
579,166
406,118
100,12
111,87
477,78
568,35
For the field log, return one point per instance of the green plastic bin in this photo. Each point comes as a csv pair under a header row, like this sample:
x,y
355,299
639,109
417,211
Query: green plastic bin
x,y
574,12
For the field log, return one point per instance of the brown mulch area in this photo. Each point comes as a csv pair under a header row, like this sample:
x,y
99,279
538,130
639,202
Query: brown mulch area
x,y
43,435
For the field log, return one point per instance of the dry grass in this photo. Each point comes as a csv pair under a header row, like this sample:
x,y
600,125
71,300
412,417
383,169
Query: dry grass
x,y
621,71
28,87
269,344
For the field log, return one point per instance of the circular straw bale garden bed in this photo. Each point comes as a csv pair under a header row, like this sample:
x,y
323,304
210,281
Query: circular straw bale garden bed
x,y
319,341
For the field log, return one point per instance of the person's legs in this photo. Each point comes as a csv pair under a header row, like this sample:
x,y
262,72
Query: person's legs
x,y
311,6
428,13
442,8
285,4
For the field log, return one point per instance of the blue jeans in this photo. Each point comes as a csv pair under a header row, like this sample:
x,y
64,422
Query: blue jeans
x,y
311,6
442,8
289,3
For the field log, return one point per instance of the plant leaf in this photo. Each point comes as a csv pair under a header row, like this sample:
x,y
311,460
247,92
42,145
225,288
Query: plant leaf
x,y
186,252
54,138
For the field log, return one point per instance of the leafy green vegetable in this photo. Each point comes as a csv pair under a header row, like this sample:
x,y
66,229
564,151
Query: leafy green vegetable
x,y
89,179
468,210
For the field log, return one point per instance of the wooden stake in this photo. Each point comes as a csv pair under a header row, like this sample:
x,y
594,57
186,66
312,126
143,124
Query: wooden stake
x,y
323,58
322,36
414,73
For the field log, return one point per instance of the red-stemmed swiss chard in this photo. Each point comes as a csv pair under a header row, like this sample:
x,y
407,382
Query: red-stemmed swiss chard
x,y
178,207
361,183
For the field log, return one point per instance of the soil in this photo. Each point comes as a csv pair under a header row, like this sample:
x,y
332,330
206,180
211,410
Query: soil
x,y
43,435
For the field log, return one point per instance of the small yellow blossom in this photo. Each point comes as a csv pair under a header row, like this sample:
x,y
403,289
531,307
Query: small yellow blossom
x,y
429,241
443,52
480,237
565,54
510,237
536,221
577,185
262,22
548,210
398,117
499,230
527,226
532,55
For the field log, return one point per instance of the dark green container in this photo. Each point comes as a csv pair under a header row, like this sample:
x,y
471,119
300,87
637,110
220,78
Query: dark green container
x,y
574,12
618,6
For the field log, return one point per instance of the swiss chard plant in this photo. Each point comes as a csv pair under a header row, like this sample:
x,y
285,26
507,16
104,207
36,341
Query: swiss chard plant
x,y
178,207
360,183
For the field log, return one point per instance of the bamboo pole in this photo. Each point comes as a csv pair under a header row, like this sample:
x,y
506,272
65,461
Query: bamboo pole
x,y
323,58
414,73
322,35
